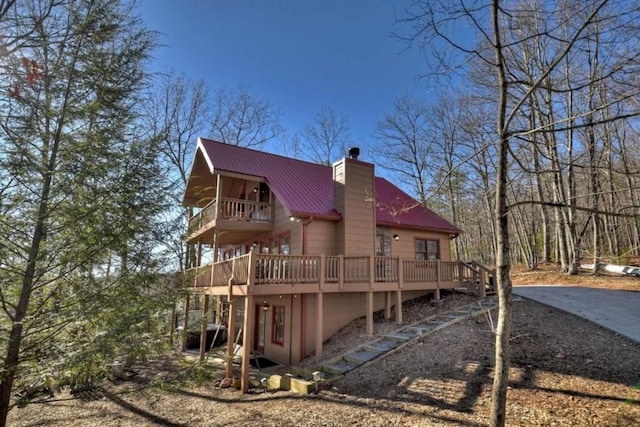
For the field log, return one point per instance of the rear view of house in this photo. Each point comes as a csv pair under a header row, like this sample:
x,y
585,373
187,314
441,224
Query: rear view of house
x,y
299,249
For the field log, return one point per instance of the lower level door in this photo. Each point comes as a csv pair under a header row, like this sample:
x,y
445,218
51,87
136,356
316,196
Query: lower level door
x,y
261,320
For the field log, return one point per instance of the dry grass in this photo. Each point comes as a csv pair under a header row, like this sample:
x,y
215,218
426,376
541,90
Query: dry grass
x,y
565,371
551,275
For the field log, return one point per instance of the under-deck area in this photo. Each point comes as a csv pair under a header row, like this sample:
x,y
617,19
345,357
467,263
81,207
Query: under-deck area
x,y
249,280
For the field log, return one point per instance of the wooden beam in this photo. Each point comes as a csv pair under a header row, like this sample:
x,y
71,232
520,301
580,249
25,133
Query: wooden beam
x,y
319,326
387,305
398,306
203,327
231,332
185,324
370,313
247,341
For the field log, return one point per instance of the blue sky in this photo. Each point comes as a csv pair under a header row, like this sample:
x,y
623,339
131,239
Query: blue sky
x,y
301,55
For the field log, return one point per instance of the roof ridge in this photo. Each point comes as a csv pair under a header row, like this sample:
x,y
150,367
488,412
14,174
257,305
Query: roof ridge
x,y
254,150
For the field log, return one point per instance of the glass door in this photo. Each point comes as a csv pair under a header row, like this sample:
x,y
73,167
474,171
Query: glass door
x,y
261,321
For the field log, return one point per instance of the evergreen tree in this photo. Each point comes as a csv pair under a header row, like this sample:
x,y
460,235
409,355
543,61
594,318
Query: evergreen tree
x,y
79,281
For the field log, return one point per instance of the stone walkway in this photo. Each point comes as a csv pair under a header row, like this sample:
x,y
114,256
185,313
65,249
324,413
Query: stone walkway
x,y
364,354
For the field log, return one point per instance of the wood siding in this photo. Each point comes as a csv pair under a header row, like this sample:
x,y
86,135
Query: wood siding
x,y
404,247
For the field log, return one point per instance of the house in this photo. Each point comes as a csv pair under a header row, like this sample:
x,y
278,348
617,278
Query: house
x,y
300,249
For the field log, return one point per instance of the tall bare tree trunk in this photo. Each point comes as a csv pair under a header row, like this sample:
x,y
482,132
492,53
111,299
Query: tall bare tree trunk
x,y
503,329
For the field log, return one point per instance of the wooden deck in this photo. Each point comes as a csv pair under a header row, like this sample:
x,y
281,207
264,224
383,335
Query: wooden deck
x,y
235,215
262,274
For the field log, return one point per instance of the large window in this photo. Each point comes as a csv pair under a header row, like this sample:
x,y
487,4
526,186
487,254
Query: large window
x,y
276,245
427,249
278,325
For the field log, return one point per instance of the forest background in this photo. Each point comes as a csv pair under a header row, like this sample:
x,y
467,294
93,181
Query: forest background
x,y
95,149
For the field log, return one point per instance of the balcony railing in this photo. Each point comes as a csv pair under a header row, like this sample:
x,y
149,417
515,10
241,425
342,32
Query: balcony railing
x,y
231,209
264,269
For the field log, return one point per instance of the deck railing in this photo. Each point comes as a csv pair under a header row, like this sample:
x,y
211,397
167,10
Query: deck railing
x,y
286,269
231,209
420,271
265,269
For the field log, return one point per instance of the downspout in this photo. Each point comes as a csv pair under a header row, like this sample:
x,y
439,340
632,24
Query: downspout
x,y
303,323
304,234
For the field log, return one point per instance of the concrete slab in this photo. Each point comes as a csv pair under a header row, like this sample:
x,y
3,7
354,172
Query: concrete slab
x,y
618,311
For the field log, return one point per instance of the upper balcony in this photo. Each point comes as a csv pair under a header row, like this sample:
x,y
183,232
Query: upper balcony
x,y
237,216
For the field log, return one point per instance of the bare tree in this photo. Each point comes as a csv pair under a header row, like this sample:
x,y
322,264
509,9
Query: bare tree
x,y
405,146
177,111
503,29
325,140
240,118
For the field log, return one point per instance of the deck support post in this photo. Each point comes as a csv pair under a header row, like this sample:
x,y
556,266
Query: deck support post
x,y
231,332
387,305
203,327
370,313
185,325
219,310
398,306
319,325
247,341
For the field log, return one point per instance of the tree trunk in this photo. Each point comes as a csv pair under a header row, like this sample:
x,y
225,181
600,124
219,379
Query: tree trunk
x,y
12,358
503,329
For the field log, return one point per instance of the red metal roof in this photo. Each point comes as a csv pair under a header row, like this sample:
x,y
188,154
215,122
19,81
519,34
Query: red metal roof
x,y
397,208
307,188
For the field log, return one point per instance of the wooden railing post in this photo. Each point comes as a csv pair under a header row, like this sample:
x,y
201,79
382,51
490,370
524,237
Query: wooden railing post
x,y
475,276
341,272
322,272
251,274
372,271
400,273
438,278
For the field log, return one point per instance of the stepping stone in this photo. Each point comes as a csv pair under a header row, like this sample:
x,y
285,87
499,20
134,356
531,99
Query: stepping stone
x,y
383,345
361,356
422,328
439,320
340,367
403,335
450,316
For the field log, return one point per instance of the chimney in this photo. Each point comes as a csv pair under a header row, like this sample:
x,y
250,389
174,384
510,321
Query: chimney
x,y
354,197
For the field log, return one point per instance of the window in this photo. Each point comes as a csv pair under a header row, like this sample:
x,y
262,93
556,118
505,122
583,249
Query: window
x,y
278,325
276,245
383,242
284,244
427,249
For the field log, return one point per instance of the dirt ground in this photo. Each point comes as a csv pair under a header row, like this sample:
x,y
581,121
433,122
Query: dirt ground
x,y
565,371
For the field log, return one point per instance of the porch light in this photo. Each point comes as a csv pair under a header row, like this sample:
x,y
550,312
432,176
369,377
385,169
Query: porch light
x,y
265,305
396,237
